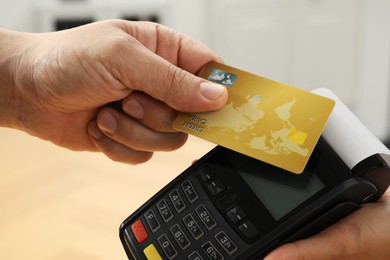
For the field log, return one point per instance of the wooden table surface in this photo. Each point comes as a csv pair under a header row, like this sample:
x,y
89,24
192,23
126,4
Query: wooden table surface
x,y
59,204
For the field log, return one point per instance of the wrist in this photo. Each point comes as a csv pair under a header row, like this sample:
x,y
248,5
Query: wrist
x,y
14,54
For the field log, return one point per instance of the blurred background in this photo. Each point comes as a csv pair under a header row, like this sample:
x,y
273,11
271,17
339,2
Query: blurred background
x,y
58,204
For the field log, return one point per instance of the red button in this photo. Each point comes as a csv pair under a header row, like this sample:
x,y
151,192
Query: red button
x,y
139,231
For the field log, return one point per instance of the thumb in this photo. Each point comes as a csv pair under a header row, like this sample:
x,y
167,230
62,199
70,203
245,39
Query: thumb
x,y
330,244
301,249
176,87
150,58
180,89
294,250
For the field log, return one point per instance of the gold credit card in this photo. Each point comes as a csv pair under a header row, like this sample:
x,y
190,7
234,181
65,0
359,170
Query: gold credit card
x,y
263,119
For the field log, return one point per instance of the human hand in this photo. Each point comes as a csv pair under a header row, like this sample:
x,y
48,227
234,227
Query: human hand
x,y
365,234
63,81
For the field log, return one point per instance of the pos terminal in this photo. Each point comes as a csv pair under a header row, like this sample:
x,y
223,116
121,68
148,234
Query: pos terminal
x,y
230,206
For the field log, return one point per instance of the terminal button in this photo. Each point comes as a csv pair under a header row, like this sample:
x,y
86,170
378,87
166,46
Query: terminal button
x,y
215,187
139,231
151,253
206,174
194,256
236,214
226,243
205,216
189,191
211,251
167,246
164,210
193,227
180,237
248,229
152,221
177,201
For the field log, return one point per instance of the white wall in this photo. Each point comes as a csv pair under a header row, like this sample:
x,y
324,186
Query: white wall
x,y
186,15
16,15
373,100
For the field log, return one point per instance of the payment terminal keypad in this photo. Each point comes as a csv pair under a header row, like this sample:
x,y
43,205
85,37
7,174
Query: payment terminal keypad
x,y
186,223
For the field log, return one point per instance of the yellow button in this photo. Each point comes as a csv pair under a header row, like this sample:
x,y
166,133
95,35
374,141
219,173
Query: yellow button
x,y
151,253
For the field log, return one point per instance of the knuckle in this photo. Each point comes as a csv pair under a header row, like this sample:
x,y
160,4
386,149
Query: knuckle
x,y
163,123
134,137
114,44
179,141
110,47
176,82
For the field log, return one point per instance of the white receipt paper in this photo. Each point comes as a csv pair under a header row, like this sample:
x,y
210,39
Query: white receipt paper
x,y
347,135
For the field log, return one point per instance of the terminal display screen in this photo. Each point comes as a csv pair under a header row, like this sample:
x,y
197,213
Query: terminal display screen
x,y
280,191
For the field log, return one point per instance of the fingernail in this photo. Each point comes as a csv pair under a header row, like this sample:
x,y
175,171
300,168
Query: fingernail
x,y
133,108
107,123
94,131
211,91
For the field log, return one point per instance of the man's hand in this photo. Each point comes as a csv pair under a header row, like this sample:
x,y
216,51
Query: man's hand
x,y
113,86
